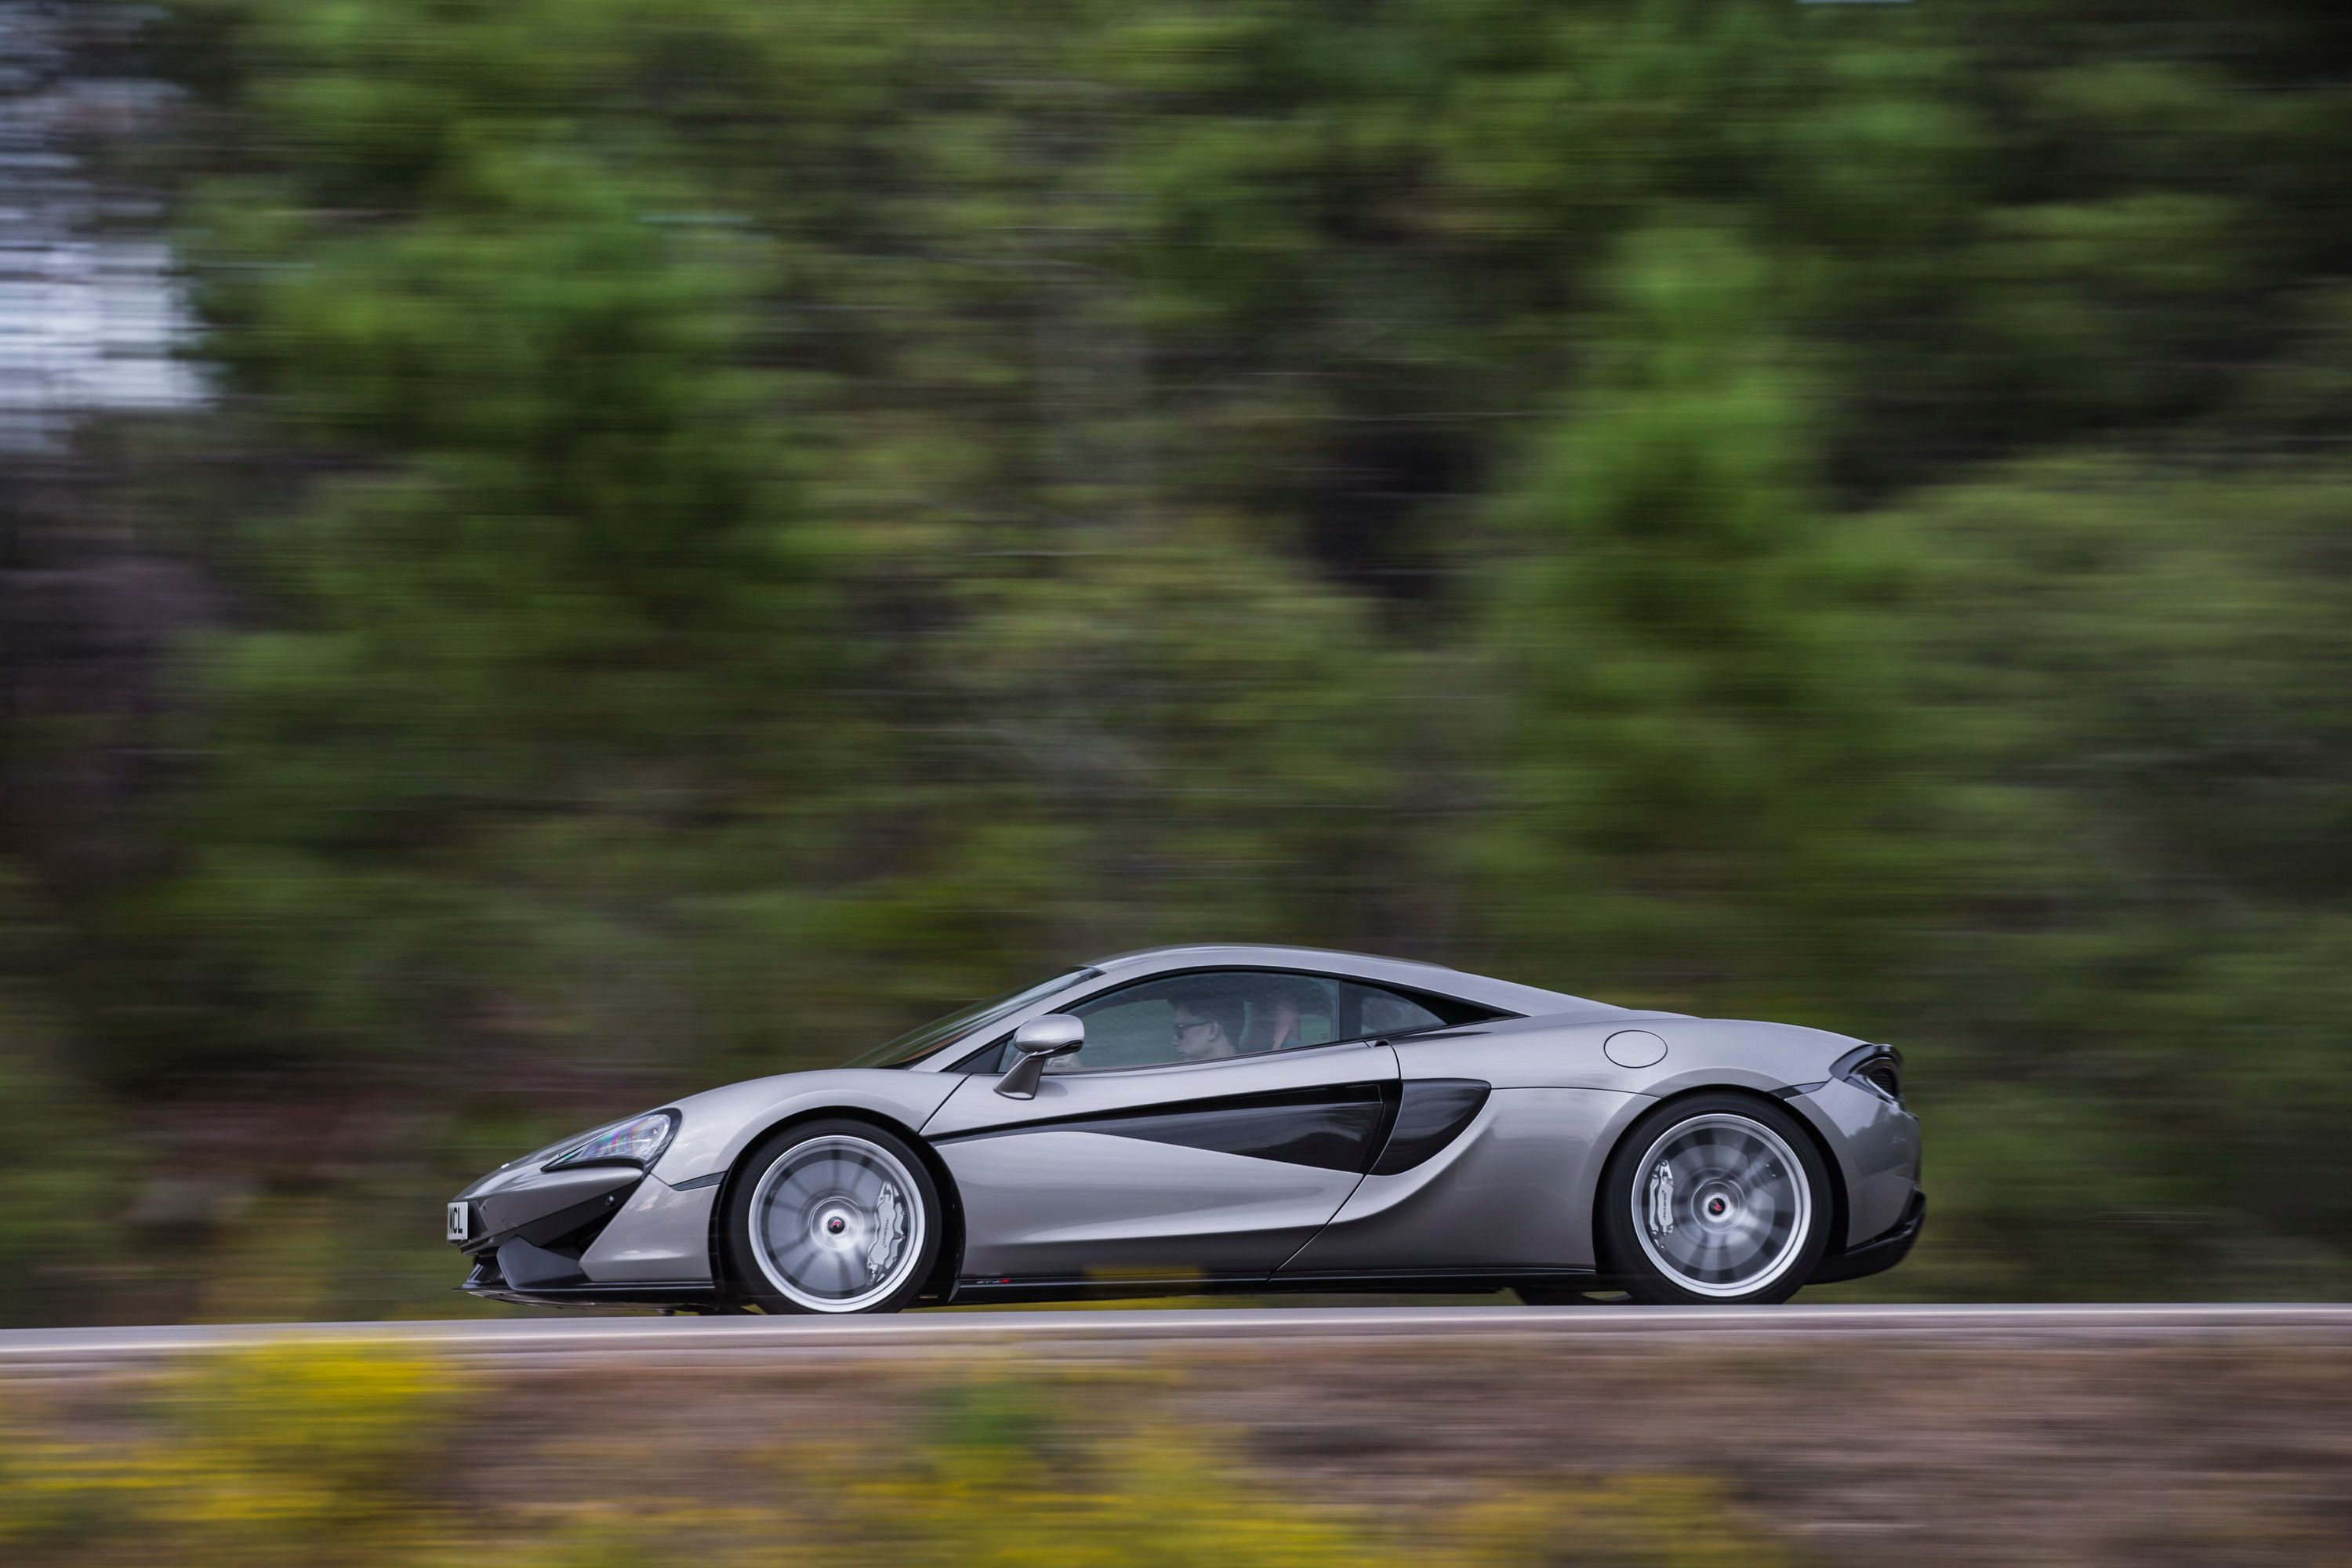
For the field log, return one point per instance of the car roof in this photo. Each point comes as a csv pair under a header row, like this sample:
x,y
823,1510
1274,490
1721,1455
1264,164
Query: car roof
x,y
1405,972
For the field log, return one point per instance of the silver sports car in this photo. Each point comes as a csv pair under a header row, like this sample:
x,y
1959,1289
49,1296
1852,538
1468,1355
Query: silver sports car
x,y
1236,1119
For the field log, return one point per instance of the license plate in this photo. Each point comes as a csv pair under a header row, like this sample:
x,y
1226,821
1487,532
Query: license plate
x,y
461,1221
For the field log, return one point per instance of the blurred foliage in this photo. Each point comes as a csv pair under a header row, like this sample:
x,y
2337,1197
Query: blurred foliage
x,y
1017,1472
287,1454
743,522
324,1454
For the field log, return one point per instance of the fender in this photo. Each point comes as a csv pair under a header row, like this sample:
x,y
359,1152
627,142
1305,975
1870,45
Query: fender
x,y
718,1125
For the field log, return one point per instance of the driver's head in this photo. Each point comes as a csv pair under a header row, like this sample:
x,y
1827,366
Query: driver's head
x,y
1207,1022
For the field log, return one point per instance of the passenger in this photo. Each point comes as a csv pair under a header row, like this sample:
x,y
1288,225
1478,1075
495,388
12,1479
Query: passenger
x,y
1274,1016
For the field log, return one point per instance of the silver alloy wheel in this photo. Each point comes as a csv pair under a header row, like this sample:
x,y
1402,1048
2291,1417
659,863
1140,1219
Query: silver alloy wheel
x,y
1721,1205
837,1223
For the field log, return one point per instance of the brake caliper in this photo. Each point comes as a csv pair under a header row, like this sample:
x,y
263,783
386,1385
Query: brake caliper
x,y
889,1232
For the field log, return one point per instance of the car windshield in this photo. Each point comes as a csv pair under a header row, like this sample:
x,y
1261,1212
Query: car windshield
x,y
940,1033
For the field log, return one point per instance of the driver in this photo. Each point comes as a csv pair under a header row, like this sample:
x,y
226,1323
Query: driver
x,y
1208,1023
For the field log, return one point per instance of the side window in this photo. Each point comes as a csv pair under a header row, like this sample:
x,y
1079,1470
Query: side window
x,y
1123,1029
1381,1012
1202,1018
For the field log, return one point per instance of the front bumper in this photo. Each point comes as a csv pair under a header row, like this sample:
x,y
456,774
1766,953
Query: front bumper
x,y
485,1284
597,1233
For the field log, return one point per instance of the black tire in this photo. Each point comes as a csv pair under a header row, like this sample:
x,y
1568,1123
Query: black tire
x,y
820,1184
1708,1144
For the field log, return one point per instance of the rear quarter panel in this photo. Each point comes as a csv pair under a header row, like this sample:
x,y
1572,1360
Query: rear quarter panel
x,y
1532,1053
1518,1188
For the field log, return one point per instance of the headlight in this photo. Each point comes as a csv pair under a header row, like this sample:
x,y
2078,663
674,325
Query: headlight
x,y
638,1142
1878,1068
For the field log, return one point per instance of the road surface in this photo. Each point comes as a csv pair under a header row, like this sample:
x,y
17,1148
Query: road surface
x,y
551,1339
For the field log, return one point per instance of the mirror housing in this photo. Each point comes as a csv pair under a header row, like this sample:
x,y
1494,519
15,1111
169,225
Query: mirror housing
x,y
1039,1041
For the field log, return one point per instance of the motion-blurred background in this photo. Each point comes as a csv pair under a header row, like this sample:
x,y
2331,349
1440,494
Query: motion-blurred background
x,y
556,552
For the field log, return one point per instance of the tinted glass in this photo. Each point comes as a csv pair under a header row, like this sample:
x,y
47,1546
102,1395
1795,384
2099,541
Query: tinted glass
x,y
1202,1018
1386,1012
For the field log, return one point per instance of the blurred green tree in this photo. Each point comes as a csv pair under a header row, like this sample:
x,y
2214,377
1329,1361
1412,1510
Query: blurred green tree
x,y
749,520
1700,792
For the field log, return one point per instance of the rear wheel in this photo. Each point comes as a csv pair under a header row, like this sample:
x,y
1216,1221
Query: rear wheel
x,y
1718,1198
832,1217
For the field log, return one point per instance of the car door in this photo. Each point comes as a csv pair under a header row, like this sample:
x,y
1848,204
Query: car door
x,y
1151,1166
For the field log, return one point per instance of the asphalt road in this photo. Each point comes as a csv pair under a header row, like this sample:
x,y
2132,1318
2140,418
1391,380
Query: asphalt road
x,y
551,1339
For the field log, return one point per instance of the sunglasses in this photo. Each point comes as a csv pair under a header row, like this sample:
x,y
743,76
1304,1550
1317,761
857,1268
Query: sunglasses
x,y
1185,1025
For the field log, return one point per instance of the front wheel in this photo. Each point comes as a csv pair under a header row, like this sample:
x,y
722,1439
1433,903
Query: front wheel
x,y
1721,1198
832,1217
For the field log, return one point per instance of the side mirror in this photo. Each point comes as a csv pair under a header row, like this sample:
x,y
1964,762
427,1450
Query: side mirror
x,y
1037,1042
